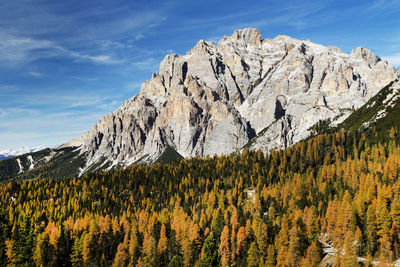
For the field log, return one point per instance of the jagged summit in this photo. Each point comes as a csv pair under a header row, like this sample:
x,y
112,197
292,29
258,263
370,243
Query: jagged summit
x,y
215,98
250,36
218,97
365,54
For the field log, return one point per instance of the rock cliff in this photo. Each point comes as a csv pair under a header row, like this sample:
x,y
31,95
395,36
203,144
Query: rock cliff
x,y
217,97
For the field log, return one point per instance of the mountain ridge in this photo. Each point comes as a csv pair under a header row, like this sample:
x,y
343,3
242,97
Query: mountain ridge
x,y
218,97
206,102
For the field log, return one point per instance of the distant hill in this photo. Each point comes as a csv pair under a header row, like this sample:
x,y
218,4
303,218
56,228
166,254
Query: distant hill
x,y
5,157
9,153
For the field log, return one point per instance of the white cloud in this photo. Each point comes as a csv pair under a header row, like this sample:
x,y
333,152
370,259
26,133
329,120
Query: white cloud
x,y
108,44
100,59
35,74
139,36
16,50
86,79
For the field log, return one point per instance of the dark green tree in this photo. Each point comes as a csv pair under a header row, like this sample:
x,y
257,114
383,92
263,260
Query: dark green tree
x,y
76,255
4,229
177,261
25,241
42,254
253,258
210,255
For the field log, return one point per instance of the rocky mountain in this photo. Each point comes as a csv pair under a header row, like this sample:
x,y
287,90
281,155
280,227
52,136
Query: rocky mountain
x,y
241,92
381,112
216,98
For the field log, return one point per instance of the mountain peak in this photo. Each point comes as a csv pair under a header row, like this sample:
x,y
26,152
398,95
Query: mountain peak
x,y
248,36
217,98
366,55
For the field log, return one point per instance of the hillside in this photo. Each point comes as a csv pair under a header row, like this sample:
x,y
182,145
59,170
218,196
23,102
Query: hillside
x,y
56,163
291,207
381,112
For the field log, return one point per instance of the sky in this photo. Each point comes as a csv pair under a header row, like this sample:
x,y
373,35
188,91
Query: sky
x,y
65,64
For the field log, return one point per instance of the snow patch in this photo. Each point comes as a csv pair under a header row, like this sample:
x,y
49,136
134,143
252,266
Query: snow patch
x,y
31,161
381,113
20,151
21,169
49,157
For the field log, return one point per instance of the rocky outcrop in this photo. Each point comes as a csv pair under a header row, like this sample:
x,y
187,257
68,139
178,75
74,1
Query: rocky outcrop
x,y
217,97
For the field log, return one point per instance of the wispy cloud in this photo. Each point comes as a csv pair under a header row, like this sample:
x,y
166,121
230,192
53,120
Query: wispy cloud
x,y
139,36
14,50
108,44
388,5
35,74
100,59
86,79
30,32
22,50
36,101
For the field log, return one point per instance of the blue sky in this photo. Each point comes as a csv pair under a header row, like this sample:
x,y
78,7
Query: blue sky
x,y
65,64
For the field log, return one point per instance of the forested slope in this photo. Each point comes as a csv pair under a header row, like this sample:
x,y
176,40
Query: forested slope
x,y
247,209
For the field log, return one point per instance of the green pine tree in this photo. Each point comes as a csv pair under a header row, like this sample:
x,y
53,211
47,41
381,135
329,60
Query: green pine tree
x,y
210,255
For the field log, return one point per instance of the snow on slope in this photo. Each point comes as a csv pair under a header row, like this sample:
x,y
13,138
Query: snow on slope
x,y
8,153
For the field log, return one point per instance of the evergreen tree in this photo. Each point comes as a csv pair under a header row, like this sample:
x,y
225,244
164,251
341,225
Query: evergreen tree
x,y
76,255
210,255
42,255
3,237
25,241
176,261
253,258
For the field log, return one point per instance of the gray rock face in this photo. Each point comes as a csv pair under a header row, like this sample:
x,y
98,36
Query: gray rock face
x,y
215,98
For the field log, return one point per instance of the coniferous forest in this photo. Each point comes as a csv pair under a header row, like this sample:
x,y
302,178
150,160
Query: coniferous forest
x,y
337,189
